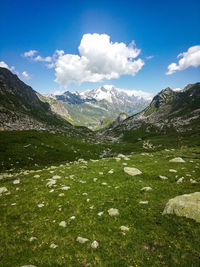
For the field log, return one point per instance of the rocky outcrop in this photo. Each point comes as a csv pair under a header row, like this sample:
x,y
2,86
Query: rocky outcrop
x,y
169,109
187,205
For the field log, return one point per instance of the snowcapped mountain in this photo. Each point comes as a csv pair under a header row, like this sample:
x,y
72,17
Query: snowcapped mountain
x,y
111,94
91,107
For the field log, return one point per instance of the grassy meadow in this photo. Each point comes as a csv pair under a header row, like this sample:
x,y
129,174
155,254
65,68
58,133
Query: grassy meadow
x,y
53,178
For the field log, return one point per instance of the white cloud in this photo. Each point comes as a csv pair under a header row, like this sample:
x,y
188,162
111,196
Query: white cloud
x,y
25,75
4,65
45,59
177,89
98,59
191,58
30,53
149,57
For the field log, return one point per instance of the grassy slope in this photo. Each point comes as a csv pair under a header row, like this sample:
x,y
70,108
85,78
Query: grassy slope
x,y
153,239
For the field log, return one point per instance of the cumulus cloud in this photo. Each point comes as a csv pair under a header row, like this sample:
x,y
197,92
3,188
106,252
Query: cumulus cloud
x,y
191,58
5,65
98,59
25,75
30,53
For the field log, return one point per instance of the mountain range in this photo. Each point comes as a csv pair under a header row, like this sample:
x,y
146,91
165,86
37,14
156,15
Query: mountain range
x,y
98,107
22,108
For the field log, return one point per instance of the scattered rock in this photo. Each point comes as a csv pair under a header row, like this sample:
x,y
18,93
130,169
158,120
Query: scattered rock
x,y
36,176
94,244
177,160
95,179
72,217
187,205
100,213
32,238
144,202
113,212
124,228
51,183
3,190
63,224
132,171
56,177
146,188
53,245
193,181
40,205
81,240
65,187
180,180
163,177
17,181
172,170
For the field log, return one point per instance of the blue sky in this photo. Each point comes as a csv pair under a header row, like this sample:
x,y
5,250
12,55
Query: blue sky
x,y
161,29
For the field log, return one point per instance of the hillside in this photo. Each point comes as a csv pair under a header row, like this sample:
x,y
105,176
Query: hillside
x,y
169,111
22,109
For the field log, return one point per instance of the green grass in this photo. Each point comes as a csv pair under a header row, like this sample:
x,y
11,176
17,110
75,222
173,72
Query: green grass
x,y
153,239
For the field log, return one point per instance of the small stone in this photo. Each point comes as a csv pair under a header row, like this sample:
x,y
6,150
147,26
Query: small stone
x,y
100,213
94,244
3,190
111,171
36,176
65,188
124,228
100,173
95,179
56,177
177,160
172,170
163,177
53,246
180,180
144,202
16,181
72,217
63,224
104,183
193,181
40,205
32,238
132,171
13,204
61,195
146,188
88,200
84,194
113,212
81,240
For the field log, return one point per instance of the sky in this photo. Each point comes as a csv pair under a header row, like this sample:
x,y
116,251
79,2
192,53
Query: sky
x,y
60,45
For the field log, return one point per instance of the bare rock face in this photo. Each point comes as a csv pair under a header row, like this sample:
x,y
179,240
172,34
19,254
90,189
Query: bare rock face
x,y
187,205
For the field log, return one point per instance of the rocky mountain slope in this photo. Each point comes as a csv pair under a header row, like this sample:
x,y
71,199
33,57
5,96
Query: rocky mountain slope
x,y
95,108
22,109
177,110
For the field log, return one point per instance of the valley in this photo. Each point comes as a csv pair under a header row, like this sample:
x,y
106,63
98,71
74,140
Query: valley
x,y
71,196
